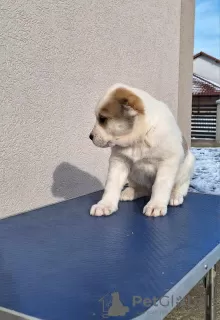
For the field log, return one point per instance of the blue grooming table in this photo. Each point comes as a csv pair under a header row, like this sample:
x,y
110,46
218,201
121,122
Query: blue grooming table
x,y
59,263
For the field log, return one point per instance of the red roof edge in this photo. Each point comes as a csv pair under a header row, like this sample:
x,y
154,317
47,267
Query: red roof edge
x,y
206,80
206,91
201,53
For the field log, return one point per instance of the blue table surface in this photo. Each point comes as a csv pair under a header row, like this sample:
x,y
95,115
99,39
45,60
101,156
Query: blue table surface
x,y
59,263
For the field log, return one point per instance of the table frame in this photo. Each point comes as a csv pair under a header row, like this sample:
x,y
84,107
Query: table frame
x,y
205,270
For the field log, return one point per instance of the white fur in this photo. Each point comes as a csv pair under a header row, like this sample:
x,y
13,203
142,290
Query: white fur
x,y
154,165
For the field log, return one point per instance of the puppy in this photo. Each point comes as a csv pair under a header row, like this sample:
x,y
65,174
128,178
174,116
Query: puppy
x,y
147,150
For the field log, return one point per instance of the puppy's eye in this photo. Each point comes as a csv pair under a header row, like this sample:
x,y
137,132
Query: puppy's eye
x,y
102,119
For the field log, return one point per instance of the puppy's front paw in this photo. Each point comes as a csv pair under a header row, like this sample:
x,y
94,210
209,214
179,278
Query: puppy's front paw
x,y
153,209
101,209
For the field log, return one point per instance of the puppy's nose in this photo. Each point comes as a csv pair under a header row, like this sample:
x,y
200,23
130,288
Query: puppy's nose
x,y
91,136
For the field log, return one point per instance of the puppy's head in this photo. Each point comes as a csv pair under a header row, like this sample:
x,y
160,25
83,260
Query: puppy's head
x,y
115,115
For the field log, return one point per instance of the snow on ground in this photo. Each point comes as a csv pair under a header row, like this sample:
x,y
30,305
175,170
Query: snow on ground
x,y
206,178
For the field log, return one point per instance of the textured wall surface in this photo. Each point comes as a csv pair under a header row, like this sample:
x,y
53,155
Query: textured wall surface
x,y
56,59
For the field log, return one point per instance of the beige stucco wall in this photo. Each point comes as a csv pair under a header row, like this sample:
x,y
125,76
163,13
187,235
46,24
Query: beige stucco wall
x,y
56,58
186,67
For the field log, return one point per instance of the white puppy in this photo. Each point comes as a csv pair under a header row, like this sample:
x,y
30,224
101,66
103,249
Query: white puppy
x,y
148,151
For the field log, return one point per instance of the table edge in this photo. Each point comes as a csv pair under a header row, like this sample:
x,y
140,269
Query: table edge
x,y
183,287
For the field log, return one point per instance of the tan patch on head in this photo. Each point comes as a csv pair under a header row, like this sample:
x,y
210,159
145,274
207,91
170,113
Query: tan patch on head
x,y
111,109
127,97
184,145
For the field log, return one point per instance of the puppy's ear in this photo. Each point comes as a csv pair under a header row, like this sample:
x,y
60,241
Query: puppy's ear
x,y
128,109
132,104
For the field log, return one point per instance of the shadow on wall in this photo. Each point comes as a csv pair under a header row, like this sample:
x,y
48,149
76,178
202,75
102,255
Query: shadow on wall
x,y
70,182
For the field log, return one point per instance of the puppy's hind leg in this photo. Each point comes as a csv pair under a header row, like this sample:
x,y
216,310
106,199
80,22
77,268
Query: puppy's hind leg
x,y
178,193
129,194
134,191
181,186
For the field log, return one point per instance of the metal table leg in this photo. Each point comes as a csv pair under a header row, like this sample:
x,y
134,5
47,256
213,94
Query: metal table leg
x,y
210,294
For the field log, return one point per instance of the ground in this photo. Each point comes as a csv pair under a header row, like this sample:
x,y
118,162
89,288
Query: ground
x,y
204,143
195,310
206,179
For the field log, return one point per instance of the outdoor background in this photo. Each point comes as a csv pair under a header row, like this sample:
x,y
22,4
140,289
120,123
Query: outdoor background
x,y
56,63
